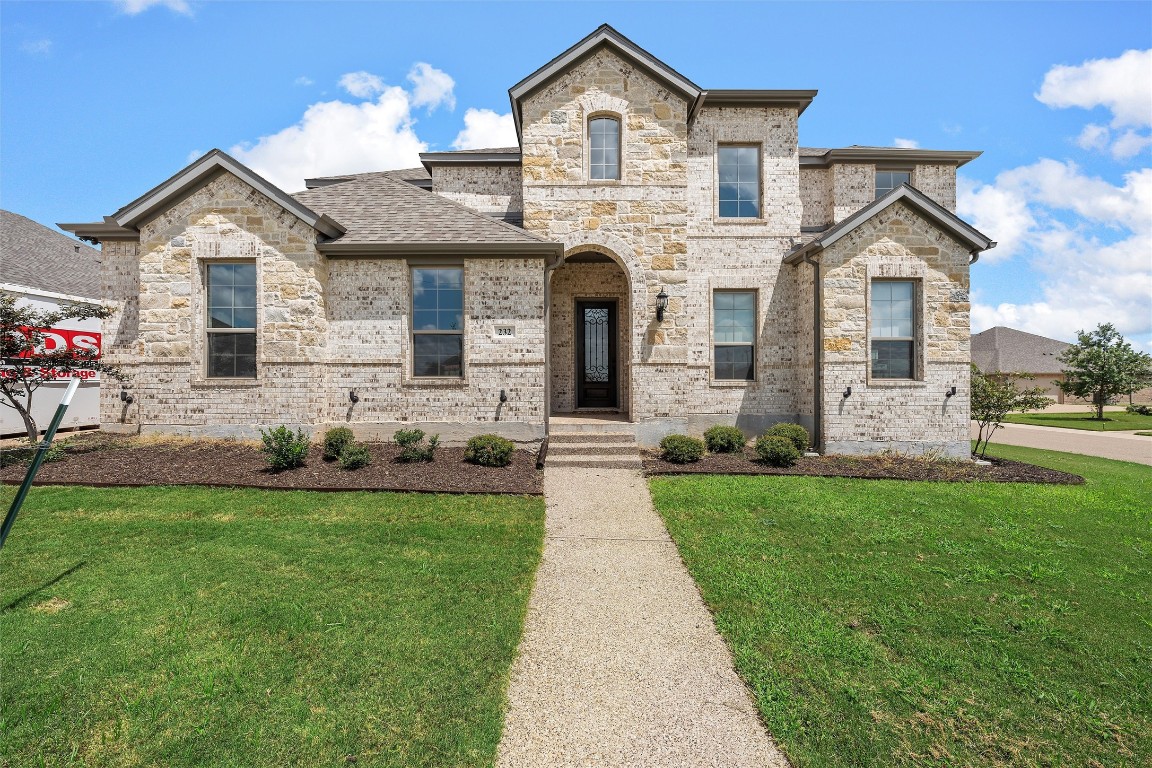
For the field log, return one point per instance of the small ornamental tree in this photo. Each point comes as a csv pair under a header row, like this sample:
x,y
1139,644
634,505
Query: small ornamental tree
x,y
1102,366
26,363
994,397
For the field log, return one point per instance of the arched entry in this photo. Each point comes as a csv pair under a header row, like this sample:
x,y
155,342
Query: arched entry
x,y
591,344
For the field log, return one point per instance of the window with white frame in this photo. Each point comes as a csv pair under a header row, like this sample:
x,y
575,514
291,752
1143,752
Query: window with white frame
x,y
604,146
739,179
892,329
231,322
438,322
886,181
734,335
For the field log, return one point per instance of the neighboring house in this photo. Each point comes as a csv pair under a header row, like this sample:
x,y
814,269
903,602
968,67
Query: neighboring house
x,y
1006,350
45,268
650,248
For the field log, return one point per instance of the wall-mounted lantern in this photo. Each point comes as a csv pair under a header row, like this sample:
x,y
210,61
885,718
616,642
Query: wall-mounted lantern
x,y
847,392
503,396
661,304
951,391
125,397
355,398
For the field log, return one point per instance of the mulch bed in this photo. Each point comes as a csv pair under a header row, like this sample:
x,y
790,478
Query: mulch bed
x,y
881,467
105,460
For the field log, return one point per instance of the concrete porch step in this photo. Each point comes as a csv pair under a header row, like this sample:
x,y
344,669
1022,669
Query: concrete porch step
x,y
618,438
595,462
591,449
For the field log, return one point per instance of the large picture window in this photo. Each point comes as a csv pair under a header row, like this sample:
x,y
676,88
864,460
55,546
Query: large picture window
x,y
893,324
437,321
231,326
734,334
604,143
739,182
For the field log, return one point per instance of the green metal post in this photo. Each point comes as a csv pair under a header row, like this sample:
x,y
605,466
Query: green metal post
x,y
37,460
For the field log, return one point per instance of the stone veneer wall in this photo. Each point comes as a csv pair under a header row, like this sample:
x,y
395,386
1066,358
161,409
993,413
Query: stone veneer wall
x,y
324,327
485,188
905,415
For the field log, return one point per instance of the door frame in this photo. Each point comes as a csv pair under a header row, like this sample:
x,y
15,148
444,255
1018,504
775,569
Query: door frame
x,y
613,306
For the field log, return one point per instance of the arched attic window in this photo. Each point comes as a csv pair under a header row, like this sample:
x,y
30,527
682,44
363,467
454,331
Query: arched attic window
x,y
604,141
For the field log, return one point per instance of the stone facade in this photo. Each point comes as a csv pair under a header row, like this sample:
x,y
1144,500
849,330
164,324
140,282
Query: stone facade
x,y
332,324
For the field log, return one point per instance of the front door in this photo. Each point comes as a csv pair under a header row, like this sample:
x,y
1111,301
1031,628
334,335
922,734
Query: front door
x,y
596,354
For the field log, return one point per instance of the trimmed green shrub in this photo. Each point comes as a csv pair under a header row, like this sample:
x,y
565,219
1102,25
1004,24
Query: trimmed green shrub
x,y
721,439
776,451
413,447
335,441
1142,410
682,449
284,450
489,451
793,432
355,456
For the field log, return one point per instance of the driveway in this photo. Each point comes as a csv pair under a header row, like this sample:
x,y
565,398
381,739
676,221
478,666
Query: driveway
x,y
1122,446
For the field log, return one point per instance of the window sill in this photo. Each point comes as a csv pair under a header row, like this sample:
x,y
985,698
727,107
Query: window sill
x,y
738,221
436,381
897,383
201,382
731,383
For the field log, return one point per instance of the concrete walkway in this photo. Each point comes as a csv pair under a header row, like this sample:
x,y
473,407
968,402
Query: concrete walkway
x,y
620,664
1108,445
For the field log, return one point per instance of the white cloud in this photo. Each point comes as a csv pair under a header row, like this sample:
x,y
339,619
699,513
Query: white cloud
x,y
134,7
362,85
1087,240
41,47
485,129
303,80
193,156
1122,85
906,143
335,137
432,87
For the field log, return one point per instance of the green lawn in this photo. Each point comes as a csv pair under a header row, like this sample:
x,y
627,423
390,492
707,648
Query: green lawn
x,y
1113,420
204,627
888,623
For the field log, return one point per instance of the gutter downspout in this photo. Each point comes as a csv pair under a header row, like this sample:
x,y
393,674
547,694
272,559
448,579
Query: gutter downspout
x,y
817,356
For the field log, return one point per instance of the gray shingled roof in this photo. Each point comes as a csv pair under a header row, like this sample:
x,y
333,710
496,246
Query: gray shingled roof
x,y
34,256
1007,350
376,208
401,174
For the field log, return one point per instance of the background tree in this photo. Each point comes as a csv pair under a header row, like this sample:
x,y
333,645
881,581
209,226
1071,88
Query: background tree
x,y
1102,366
26,364
995,396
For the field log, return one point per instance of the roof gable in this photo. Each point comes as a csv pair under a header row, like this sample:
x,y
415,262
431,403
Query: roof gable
x,y
603,37
200,173
913,198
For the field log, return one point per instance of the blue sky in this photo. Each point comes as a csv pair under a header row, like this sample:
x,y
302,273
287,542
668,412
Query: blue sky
x,y
100,101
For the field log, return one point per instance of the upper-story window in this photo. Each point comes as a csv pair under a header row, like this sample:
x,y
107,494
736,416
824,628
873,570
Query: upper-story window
x,y
604,137
739,182
886,181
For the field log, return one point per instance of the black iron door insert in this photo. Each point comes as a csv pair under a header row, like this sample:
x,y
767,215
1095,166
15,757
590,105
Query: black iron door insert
x,y
596,385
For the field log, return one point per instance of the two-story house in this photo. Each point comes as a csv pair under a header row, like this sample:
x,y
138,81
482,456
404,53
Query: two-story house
x,y
650,248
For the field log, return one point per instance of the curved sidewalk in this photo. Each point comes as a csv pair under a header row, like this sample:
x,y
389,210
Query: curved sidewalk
x,y
1106,445
620,664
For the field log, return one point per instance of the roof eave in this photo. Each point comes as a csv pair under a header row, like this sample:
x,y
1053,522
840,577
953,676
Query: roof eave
x,y
99,231
894,156
797,99
430,159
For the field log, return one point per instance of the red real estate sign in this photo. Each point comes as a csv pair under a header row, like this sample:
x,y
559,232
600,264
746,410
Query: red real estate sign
x,y
89,343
